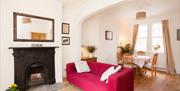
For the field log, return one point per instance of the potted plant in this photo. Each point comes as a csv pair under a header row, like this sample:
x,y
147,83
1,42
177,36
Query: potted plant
x,y
13,87
91,50
126,50
156,47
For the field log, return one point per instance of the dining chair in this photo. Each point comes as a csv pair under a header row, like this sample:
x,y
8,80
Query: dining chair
x,y
152,65
140,52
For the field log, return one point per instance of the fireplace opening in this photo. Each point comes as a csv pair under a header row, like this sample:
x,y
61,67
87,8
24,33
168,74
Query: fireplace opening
x,y
36,74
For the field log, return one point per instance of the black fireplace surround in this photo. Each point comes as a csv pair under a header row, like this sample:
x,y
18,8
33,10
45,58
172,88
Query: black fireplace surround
x,y
33,60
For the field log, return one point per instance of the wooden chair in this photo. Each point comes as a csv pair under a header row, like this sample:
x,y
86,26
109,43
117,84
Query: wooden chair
x,y
152,65
140,52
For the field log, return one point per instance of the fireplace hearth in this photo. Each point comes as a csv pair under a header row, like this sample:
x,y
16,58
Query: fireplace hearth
x,y
33,66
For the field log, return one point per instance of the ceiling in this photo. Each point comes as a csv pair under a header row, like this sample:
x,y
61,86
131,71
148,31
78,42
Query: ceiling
x,y
132,6
152,7
67,3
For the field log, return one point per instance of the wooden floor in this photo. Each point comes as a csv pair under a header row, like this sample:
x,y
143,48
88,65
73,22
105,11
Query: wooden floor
x,y
163,82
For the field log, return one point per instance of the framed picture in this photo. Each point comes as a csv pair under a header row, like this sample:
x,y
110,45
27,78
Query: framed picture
x,y
65,40
178,34
65,28
108,35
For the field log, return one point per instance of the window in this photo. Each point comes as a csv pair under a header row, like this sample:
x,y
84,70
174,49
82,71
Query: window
x,y
150,36
157,36
141,43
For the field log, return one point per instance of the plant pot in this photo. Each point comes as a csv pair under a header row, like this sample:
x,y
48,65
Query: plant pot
x,y
91,55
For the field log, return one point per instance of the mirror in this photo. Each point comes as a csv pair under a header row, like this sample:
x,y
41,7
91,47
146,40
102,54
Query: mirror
x,y
33,28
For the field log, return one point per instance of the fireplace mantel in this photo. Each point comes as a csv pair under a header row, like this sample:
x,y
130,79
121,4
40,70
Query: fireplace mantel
x,y
25,57
33,47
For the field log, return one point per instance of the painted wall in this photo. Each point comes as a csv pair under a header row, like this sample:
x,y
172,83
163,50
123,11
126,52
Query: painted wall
x,y
75,15
93,33
45,8
121,20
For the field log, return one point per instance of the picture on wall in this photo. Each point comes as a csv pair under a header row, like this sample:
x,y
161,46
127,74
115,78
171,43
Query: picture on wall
x,y
65,28
178,34
108,35
65,40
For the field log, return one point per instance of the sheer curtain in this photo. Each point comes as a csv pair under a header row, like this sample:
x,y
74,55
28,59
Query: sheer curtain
x,y
169,55
135,33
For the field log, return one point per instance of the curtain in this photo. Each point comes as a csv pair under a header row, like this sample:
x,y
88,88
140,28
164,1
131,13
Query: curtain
x,y
169,55
135,33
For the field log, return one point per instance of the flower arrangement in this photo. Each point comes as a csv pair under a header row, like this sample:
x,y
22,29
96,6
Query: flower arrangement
x,y
156,47
91,49
126,49
13,87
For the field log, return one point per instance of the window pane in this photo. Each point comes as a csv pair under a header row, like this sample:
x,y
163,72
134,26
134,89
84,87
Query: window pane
x,y
142,32
158,41
141,44
157,29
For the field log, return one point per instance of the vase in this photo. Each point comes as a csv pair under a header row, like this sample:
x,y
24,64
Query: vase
x,y
91,55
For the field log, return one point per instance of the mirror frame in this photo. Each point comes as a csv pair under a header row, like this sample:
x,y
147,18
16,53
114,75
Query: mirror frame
x,y
15,14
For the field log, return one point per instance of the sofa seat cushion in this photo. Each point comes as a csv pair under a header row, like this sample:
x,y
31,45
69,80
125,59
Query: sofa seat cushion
x,y
87,81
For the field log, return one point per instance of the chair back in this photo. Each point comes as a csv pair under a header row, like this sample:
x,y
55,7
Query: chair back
x,y
140,52
154,59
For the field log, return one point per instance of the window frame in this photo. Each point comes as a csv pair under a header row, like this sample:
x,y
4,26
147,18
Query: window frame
x,y
149,46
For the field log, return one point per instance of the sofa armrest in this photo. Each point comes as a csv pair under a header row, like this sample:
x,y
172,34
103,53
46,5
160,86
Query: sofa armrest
x,y
122,81
70,67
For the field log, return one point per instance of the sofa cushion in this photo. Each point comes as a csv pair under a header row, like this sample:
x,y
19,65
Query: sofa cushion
x,y
109,72
87,81
81,66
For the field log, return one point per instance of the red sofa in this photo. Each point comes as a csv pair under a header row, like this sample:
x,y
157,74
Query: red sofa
x,y
120,81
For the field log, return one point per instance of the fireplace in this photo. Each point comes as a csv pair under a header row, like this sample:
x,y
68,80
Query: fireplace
x,y
36,74
33,66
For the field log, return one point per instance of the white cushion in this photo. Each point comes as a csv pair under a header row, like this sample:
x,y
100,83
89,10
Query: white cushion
x,y
115,70
109,72
81,66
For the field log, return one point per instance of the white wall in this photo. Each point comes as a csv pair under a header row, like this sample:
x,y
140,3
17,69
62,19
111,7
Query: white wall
x,y
93,33
75,14
45,8
173,16
90,34
121,19
0,42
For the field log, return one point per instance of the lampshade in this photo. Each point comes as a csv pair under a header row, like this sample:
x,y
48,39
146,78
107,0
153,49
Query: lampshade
x,y
141,15
26,20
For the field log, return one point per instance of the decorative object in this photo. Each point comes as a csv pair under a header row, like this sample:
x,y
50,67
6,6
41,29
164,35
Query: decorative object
x,y
178,34
126,49
109,72
140,15
26,30
13,87
108,35
91,50
26,20
65,28
36,45
156,47
81,66
65,40
125,54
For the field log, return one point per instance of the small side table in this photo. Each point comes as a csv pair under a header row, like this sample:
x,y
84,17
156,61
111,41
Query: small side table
x,y
93,59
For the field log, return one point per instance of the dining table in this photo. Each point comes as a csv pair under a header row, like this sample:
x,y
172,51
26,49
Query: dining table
x,y
141,60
